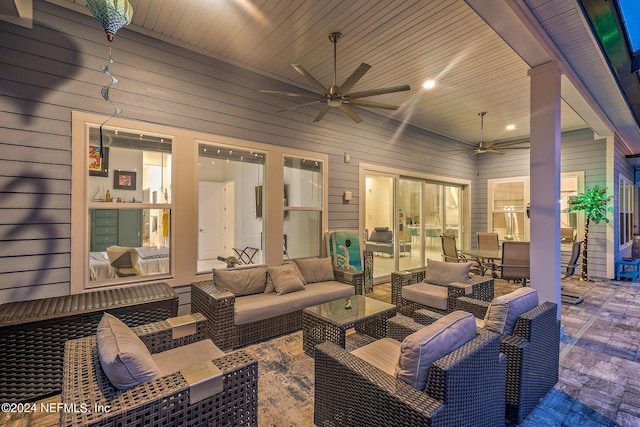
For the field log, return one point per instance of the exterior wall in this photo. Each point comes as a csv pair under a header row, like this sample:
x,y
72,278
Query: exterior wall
x,y
53,69
579,153
620,167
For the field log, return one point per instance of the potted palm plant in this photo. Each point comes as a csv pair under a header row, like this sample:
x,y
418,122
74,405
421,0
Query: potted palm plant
x,y
594,204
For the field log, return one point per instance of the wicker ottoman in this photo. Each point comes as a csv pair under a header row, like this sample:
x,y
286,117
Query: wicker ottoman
x,y
33,333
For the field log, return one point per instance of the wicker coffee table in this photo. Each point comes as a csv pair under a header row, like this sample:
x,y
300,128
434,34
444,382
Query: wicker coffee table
x,y
330,321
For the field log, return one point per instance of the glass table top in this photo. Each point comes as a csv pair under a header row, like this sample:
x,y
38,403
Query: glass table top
x,y
361,307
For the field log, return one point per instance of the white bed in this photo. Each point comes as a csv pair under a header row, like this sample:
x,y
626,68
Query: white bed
x,y
151,260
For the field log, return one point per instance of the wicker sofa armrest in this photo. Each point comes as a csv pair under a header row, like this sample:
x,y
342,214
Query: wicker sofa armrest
x,y
399,327
356,279
350,391
403,278
161,401
471,305
217,305
159,336
426,317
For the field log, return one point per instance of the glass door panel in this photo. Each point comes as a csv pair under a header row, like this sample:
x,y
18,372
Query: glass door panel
x,y
379,223
411,244
433,214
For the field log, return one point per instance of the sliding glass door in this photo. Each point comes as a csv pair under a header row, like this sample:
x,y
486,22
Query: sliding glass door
x,y
412,214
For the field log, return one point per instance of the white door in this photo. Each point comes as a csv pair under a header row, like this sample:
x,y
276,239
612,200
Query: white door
x,y
212,233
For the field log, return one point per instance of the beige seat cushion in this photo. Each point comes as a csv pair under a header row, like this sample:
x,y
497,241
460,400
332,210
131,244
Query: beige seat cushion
x,y
503,312
241,281
420,349
429,295
178,358
443,273
315,269
383,354
125,359
253,308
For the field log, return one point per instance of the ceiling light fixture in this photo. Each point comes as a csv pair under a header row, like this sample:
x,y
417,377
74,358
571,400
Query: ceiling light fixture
x,y
429,84
511,127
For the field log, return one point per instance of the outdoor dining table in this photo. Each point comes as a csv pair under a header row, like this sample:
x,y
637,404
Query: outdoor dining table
x,y
484,257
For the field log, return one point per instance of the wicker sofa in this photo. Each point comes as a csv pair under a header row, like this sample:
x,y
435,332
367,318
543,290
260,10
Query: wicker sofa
x,y
236,320
33,333
170,400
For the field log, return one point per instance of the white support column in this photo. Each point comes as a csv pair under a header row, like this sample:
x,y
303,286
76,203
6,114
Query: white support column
x,y
545,181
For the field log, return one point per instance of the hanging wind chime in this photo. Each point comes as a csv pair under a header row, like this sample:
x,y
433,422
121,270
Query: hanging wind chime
x,y
113,15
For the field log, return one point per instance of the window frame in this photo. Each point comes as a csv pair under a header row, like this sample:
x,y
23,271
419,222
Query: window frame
x,y
625,211
184,188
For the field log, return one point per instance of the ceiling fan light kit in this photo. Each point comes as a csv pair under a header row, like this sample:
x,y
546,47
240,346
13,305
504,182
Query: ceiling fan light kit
x,y
336,96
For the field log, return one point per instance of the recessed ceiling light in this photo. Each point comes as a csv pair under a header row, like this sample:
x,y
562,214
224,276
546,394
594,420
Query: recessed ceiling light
x,y
511,127
429,84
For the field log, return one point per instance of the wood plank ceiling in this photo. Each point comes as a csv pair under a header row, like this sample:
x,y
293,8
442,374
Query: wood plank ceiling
x,y
405,42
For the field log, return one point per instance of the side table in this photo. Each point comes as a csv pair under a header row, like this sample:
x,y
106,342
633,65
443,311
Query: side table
x,y
623,272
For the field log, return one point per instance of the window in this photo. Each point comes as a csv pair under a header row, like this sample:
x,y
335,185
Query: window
x,y
129,204
303,207
159,193
230,208
508,207
625,211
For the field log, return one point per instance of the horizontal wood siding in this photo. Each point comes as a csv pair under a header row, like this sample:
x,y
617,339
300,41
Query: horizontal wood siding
x,y
579,153
53,69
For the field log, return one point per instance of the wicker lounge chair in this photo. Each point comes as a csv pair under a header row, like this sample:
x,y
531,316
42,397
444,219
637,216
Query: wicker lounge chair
x,y
481,288
164,401
464,388
532,350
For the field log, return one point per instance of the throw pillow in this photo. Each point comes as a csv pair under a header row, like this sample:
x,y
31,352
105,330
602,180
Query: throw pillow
x,y
443,273
315,269
125,359
241,281
285,279
420,349
503,312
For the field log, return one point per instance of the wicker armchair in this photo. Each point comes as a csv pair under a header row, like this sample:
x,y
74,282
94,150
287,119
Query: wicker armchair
x,y
164,401
532,350
465,387
481,288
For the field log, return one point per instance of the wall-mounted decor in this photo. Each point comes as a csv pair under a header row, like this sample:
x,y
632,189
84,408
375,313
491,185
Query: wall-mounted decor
x,y
259,201
98,166
124,180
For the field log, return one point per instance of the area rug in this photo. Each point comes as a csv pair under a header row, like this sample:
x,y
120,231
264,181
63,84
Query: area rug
x,y
285,382
285,379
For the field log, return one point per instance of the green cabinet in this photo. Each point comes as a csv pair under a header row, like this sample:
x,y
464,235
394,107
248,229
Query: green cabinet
x,y
122,227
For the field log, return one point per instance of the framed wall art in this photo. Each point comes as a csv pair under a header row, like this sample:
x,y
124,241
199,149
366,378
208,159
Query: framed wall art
x,y
124,180
98,166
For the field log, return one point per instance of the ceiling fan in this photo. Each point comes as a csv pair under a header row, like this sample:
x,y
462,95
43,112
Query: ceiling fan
x,y
339,96
495,147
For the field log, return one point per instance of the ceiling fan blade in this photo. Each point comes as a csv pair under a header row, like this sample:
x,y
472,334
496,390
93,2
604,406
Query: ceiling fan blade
x,y
322,113
310,78
354,77
361,103
299,95
507,144
512,148
349,112
381,91
295,107
492,151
